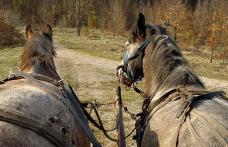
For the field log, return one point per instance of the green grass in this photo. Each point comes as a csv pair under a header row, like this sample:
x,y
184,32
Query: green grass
x,y
9,58
97,44
215,70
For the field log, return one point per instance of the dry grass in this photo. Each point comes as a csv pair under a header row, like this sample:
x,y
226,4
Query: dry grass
x,y
215,70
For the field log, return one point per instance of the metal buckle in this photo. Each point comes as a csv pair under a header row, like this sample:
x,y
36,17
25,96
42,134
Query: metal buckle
x,y
13,72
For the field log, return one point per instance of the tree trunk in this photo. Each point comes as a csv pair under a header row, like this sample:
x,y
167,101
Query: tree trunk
x,y
223,57
212,52
78,27
78,31
213,45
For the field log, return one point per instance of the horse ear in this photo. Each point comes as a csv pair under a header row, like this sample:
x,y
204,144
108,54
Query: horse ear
x,y
28,31
48,30
141,21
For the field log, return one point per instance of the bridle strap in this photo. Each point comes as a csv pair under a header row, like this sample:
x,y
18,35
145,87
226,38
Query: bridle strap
x,y
140,92
138,52
127,59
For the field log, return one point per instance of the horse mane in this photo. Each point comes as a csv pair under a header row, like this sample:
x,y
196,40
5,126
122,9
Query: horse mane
x,y
165,67
36,52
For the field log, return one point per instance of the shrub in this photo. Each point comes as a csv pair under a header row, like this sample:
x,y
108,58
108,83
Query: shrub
x,y
9,35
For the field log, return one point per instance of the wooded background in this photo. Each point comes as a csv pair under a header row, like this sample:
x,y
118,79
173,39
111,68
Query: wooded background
x,y
194,24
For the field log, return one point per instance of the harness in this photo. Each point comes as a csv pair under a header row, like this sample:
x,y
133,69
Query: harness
x,y
68,97
187,98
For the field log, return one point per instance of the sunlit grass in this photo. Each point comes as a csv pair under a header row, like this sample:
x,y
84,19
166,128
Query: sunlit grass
x,y
215,70
9,58
98,44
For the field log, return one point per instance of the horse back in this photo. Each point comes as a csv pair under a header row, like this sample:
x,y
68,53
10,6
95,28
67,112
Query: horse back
x,y
43,106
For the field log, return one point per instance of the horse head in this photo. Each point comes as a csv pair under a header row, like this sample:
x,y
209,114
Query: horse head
x,y
37,55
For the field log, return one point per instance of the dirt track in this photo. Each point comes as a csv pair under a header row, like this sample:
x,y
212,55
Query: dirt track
x,y
90,70
94,78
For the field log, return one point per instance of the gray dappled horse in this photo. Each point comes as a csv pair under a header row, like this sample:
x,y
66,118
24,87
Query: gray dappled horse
x,y
33,110
177,110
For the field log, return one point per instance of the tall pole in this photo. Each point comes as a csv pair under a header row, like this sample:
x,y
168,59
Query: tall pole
x,y
120,125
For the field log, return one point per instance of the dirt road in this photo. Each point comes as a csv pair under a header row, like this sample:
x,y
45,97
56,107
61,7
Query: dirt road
x,y
94,78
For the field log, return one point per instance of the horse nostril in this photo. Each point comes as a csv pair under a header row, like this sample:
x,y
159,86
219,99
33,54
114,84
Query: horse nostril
x,y
63,129
72,142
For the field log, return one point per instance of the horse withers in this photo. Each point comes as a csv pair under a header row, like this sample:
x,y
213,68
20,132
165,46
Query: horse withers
x,y
177,110
33,102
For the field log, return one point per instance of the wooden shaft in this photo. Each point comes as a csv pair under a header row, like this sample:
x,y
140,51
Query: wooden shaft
x,y
120,127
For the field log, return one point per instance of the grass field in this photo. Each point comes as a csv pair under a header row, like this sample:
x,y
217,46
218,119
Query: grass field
x,y
95,44
107,46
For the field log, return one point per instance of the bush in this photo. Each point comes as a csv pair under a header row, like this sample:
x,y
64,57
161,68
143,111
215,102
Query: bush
x,y
92,19
9,35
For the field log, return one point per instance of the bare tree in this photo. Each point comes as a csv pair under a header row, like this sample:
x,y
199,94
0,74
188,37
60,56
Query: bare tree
x,y
81,9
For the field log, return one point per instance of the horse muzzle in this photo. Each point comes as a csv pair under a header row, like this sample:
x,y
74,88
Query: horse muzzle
x,y
123,76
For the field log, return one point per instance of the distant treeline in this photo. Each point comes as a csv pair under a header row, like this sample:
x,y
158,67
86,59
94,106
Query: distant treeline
x,y
192,23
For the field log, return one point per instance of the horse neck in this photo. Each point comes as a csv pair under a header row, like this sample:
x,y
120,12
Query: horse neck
x,y
167,70
37,66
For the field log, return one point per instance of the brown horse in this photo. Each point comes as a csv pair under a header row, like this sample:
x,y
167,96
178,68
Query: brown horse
x,y
33,111
177,110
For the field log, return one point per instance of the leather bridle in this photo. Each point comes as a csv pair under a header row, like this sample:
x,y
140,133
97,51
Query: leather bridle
x,y
128,58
